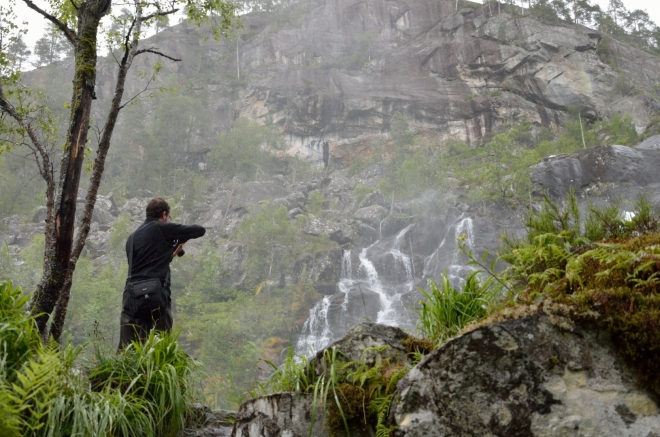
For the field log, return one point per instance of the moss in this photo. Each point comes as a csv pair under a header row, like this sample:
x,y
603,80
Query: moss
x,y
620,283
419,345
353,401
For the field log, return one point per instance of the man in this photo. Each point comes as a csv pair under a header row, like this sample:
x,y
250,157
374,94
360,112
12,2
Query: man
x,y
154,245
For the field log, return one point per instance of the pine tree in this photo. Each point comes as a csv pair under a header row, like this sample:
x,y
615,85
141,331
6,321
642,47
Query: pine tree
x,y
18,52
50,47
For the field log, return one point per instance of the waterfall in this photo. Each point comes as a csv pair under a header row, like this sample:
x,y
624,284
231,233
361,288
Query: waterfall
x,y
346,279
316,332
385,313
402,257
309,341
457,270
465,227
449,252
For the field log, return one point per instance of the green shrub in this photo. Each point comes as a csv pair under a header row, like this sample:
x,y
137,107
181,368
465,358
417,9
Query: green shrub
x,y
244,151
603,268
144,391
446,311
315,203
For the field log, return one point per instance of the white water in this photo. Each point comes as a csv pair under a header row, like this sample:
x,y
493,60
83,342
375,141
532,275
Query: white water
x,y
332,316
432,262
316,333
346,280
402,258
366,266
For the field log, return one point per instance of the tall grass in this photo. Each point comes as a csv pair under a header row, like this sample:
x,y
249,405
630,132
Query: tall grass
x,y
446,311
45,390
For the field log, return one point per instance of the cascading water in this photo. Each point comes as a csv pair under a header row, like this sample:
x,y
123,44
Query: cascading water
x,y
316,332
384,315
402,258
447,257
384,298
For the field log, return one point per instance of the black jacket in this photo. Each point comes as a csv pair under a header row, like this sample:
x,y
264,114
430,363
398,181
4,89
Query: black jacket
x,y
153,245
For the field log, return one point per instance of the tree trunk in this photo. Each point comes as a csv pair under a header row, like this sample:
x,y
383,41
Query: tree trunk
x,y
57,326
58,254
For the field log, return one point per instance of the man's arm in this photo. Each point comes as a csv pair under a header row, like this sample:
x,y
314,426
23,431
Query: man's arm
x,y
183,233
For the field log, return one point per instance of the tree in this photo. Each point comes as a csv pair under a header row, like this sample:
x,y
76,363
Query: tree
x,y
79,22
617,11
19,52
50,47
584,12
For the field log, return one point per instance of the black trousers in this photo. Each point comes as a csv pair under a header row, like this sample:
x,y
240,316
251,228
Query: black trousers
x,y
138,327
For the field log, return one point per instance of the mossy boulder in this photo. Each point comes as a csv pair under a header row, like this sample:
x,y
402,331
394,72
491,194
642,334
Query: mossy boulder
x,y
540,375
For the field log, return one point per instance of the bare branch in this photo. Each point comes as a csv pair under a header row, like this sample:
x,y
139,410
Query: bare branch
x,y
146,88
156,52
159,14
68,32
74,5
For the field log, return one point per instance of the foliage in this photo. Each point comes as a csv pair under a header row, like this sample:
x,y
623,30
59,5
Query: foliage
x,y
270,239
315,203
446,311
350,392
604,268
147,390
498,169
244,150
95,300
224,336
158,372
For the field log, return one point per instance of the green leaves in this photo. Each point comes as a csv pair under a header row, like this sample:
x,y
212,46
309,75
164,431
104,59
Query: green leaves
x,y
147,390
446,311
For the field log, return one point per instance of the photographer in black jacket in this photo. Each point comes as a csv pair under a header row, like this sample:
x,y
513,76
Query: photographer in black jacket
x,y
154,244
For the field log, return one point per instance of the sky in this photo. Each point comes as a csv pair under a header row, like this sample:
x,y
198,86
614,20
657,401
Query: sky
x,y
36,23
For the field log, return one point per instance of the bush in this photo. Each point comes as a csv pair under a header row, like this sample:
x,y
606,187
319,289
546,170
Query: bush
x,y
446,311
44,392
245,150
604,269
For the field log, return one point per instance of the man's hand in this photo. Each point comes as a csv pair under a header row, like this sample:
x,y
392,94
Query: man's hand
x,y
178,249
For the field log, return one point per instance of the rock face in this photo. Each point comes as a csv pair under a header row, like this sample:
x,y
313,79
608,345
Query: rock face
x,y
281,414
333,77
535,376
585,169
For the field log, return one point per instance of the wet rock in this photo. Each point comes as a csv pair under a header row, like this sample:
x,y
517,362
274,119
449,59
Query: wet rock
x,y
135,207
280,414
102,216
366,235
322,269
535,376
598,165
293,414
362,343
40,215
207,423
371,215
395,223
341,231
296,200
295,212
651,143
375,198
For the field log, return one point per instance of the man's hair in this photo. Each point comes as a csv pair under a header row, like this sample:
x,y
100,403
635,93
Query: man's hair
x,y
156,207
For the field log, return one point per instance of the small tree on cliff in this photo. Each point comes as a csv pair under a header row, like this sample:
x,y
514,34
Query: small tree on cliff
x,y
80,23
